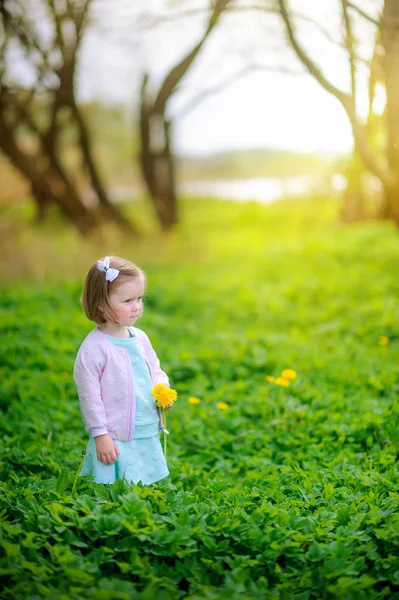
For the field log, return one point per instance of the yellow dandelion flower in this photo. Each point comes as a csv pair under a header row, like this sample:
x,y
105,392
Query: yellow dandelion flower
x,y
163,395
194,400
269,378
283,381
288,374
383,341
65,375
222,405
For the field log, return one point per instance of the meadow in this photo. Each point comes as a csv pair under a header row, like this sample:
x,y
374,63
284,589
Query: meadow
x,y
282,490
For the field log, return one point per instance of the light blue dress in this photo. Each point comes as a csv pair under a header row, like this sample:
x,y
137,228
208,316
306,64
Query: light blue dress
x,y
141,458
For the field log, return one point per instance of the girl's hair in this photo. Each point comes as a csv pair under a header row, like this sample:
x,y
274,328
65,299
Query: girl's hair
x,y
96,289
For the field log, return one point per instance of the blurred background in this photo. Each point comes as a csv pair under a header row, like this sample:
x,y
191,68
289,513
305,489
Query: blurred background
x,y
123,124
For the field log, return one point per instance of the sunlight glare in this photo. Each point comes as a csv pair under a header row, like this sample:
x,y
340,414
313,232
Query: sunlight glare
x,y
380,99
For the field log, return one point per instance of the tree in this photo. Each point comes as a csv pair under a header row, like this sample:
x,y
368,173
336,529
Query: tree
x,y
387,30
35,119
156,155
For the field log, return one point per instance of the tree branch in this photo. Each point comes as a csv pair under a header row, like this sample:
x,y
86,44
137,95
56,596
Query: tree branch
x,y
175,75
363,14
320,27
212,91
157,20
346,100
349,43
375,72
306,60
18,26
57,26
80,14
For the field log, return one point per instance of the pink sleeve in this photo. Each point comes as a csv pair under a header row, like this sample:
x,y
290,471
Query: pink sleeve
x,y
87,379
158,376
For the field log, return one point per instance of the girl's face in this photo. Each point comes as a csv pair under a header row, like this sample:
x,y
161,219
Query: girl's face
x,y
126,301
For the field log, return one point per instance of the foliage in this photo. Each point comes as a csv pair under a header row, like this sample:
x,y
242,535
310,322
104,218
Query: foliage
x,y
289,492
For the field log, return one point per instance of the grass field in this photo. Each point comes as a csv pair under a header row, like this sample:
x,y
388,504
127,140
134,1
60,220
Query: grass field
x,y
288,492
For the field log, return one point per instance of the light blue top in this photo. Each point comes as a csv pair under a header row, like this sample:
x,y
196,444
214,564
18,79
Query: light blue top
x,y
147,418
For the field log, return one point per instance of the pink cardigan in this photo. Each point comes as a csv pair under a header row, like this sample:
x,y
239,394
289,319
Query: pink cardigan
x,y
104,380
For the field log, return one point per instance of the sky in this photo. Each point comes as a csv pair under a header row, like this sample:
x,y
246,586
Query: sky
x,y
265,109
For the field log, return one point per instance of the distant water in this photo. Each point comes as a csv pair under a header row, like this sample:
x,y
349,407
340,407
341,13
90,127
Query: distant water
x,y
261,189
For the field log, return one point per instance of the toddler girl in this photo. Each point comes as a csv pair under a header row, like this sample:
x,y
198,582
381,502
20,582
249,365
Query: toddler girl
x,y
115,371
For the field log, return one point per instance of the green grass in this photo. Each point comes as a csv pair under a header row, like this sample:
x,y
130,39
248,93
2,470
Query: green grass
x,y
292,492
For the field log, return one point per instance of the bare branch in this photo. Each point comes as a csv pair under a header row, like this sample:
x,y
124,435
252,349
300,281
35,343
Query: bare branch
x,y
57,26
349,43
76,15
175,75
80,16
346,100
308,62
392,23
212,91
363,14
17,26
157,20
320,27
375,72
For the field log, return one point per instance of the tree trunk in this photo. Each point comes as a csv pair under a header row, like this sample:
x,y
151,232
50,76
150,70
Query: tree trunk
x,y
48,186
53,69
390,41
42,203
157,163
108,208
390,201
353,208
156,156
371,159
171,216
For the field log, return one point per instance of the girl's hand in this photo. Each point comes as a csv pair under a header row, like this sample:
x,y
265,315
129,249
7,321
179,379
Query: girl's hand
x,y
168,407
106,449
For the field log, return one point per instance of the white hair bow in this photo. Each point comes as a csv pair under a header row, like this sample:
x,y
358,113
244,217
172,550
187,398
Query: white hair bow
x,y
110,274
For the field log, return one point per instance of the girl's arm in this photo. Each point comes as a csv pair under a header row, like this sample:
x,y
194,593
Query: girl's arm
x,y
87,379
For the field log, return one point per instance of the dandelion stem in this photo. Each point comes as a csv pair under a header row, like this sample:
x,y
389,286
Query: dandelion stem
x,y
165,437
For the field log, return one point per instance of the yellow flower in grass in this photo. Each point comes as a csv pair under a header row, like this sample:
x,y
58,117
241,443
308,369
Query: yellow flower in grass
x,y
163,395
383,341
283,381
270,379
193,400
222,405
288,374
